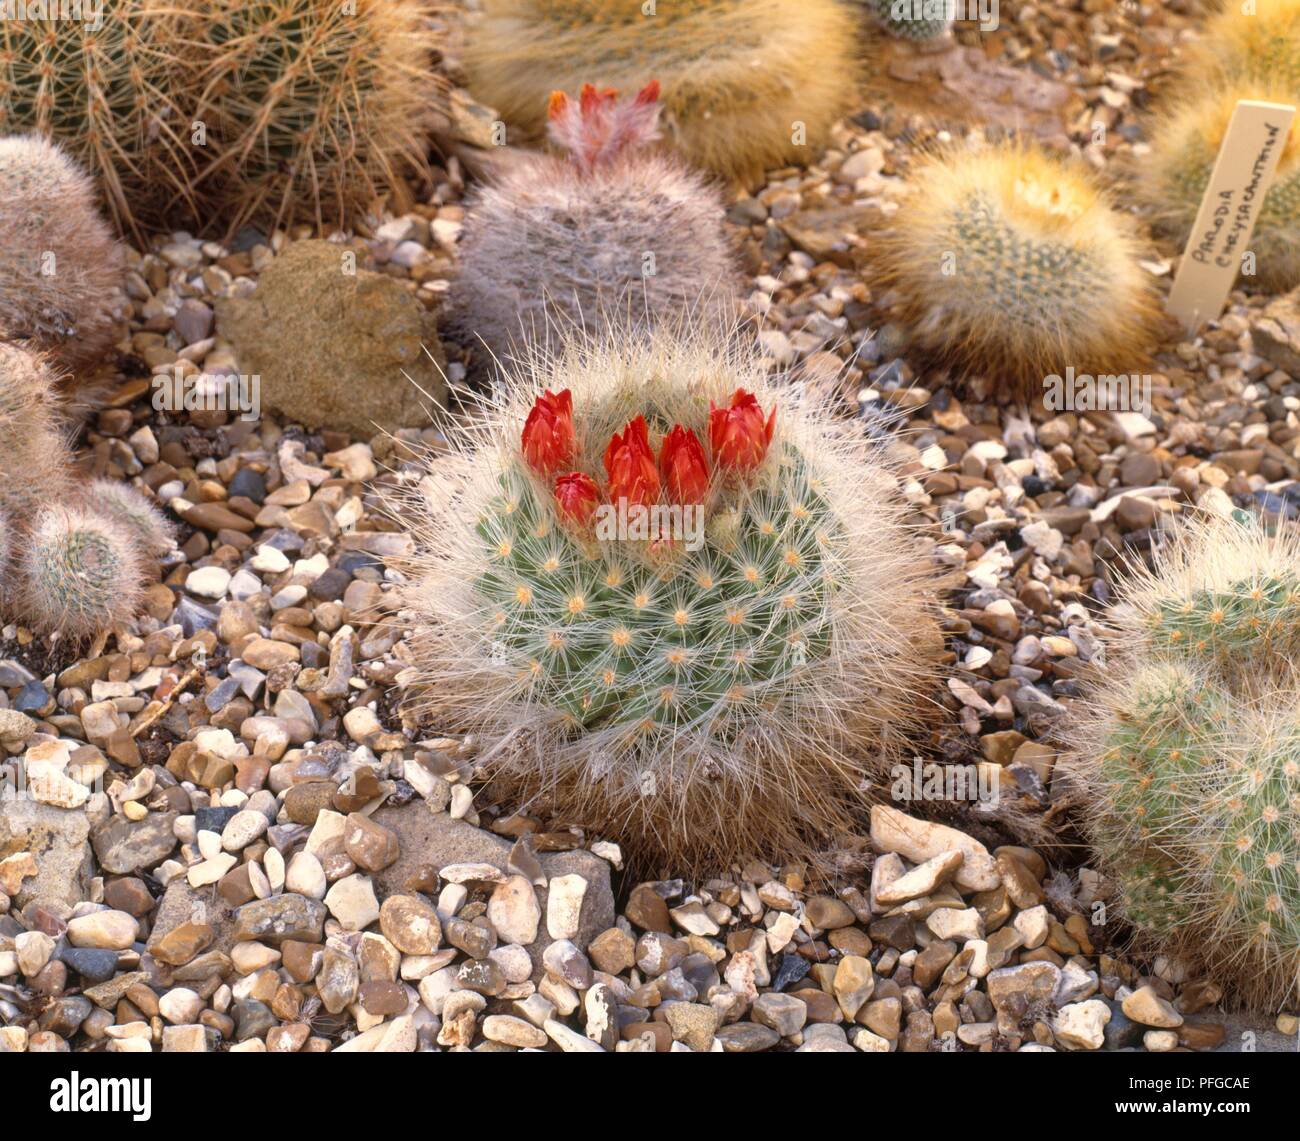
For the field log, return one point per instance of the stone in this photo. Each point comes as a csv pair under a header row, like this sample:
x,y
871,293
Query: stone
x,y
55,840
179,945
332,347
180,1005
370,845
124,846
1034,982
852,984
1144,1005
1082,1025
564,906
305,876
279,918
921,880
784,1013
956,923
692,1024
511,1031
352,902
746,1038
410,924
921,840
109,930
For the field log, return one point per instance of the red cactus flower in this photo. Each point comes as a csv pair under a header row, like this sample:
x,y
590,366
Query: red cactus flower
x,y
686,472
576,497
737,434
599,126
549,441
630,465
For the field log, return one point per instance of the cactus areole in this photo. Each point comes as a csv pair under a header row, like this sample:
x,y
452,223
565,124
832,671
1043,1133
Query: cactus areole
x,y
700,613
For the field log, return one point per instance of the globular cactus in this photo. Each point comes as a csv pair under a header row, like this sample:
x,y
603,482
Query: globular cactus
x,y
72,555
919,20
79,573
1013,264
212,112
60,268
609,224
748,84
1189,751
1250,43
1185,143
723,690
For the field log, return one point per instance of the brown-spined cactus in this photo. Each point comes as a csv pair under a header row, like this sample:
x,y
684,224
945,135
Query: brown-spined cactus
x,y
1189,752
747,84
60,267
134,511
698,686
1011,263
611,224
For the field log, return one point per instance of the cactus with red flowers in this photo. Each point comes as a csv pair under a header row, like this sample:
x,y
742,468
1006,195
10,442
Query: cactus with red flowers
x,y
613,228
702,650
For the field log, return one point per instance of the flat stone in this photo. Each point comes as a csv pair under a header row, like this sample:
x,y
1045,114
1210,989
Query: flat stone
x,y
921,840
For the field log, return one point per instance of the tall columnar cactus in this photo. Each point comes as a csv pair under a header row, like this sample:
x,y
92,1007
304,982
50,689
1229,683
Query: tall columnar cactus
x,y
918,20
1185,142
205,112
60,268
72,554
673,605
610,228
1011,263
746,83
1190,751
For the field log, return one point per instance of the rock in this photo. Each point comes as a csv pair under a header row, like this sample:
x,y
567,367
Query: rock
x,y
124,846
352,902
1144,1005
1082,1025
564,906
179,945
426,838
281,917
692,1024
853,983
514,912
1034,982
331,346
370,845
746,1038
305,876
953,923
1276,333
108,930
921,880
410,924
921,840
511,1031
56,841
782,1012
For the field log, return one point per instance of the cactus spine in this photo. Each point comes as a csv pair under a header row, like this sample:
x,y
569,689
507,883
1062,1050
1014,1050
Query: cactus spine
x,y
1011,263
1191,756
695,704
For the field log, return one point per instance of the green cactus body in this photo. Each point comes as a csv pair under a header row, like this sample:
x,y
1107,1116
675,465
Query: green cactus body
x,y
1251,617
913,19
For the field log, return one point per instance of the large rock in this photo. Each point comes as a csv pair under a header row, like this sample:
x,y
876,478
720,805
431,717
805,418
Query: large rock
x,y
1276,333
57,841
125,846
334,348
437,840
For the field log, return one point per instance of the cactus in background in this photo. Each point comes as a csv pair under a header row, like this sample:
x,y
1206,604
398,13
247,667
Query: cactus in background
x,y
308,110
728,689
72,555
740,77
912,19
610,222
1240,46
1011,263
79,572
1171,180
60,267
1190,753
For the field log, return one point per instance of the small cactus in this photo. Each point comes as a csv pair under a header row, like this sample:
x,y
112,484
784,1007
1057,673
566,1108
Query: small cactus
x,y
60,267
748,84
1012,264
611,222
79,573
919,20
1190,754
1185,143
35,459
698,698
1249,43
133,511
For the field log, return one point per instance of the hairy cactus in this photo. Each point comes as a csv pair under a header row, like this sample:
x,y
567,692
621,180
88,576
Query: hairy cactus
x,y
912,19
60,267
746,82
72,555
727,685
1011,263
217,111
1171,180
1255,43
1191,755
79,573
609,222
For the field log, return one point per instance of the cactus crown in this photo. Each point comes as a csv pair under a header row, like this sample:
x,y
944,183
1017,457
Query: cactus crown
x,y
599,127
1193,754
705,675
1262,45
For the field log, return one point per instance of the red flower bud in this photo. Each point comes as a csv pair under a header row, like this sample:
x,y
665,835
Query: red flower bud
x,y
686,472
737,434
549,442
630,465
576,497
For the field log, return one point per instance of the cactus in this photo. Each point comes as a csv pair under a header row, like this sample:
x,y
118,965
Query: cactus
x,y
1171,180
571,236
696,701
912,19
200,112
1012,264
79,573
1256,43
60,267
743,80
1190,754
72,555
